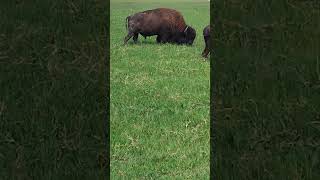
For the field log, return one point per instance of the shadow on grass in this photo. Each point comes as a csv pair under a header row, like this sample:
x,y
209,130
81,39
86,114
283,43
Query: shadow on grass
x,y
154,43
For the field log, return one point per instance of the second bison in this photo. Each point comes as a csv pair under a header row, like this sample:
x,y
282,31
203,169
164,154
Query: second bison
x,y
167,24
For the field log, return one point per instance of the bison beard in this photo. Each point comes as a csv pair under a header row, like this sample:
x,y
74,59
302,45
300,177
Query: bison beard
x,y
167,24
206,36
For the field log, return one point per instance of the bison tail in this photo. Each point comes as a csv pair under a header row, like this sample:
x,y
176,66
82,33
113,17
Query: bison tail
x,y
127,22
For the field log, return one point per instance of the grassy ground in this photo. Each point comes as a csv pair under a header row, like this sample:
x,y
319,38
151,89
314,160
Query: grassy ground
x,y
159,99
266,90
52,89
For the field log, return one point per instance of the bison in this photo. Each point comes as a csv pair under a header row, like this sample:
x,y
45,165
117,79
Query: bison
x,y
206,36
167,24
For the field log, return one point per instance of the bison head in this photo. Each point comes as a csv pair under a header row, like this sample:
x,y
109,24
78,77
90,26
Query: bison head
x,y
189,35
185,37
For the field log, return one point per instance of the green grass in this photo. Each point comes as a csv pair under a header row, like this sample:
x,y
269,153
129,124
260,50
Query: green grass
x,y
266,90
159,99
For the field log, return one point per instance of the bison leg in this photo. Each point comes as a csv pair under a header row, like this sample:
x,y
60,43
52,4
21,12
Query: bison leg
x,y
135,38
145,37
205,52
158,39
126,39
164,38
206,49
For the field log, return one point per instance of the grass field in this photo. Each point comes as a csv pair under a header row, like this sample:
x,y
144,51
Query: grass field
x,y
159,99
266,90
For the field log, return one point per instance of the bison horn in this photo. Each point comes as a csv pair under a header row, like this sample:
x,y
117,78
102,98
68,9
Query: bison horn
x,y
185,30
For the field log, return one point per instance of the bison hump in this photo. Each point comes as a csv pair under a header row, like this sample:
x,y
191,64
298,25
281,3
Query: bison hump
x,y
174,20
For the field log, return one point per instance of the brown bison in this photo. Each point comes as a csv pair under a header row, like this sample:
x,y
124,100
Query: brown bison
x,y
206,36
167,24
